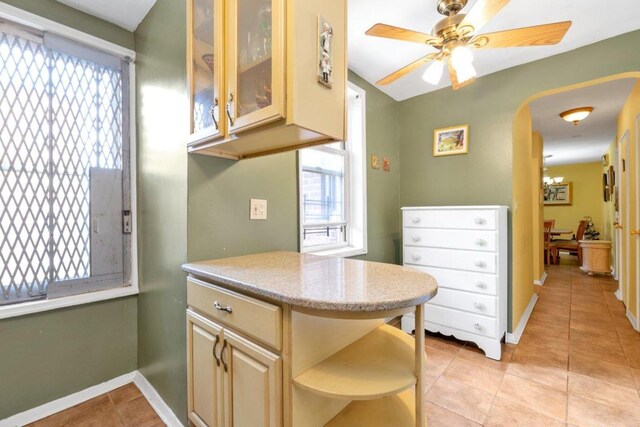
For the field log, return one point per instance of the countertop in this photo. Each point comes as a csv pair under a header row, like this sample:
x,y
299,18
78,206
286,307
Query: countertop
x,y
319,283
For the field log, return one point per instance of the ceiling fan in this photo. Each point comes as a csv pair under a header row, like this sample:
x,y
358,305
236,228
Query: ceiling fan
x,y
456,34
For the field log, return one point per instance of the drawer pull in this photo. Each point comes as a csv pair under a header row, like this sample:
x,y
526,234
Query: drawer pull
x,y
415,220
478,306
224,363
416,238
478,220
480,242
215,344
481,285
477,326
481,264
217,305
416,257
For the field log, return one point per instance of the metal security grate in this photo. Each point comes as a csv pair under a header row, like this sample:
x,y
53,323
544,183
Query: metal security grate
x,y
60,115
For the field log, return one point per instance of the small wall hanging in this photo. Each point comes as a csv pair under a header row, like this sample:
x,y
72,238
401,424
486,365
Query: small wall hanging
x,y
451,140
325,52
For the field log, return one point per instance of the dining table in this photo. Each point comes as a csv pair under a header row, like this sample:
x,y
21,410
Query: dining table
x,y
561,231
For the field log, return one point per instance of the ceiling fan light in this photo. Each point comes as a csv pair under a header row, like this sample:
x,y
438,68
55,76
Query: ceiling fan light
x,y
433,74
465,72
575,115
460,56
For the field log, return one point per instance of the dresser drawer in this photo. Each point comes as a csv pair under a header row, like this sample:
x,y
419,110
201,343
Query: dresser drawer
x,y
465,301
475,240
464,280
258,319
484,262
452,219
474,323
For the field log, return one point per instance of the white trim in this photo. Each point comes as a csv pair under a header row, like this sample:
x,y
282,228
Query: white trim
x,y
39,412
162,409
542,279
633,320
637,239
514,337
32,20
618,294
155,400
344,252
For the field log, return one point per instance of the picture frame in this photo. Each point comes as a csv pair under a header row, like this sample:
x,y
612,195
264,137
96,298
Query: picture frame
x,y
558,194
451,141
605,188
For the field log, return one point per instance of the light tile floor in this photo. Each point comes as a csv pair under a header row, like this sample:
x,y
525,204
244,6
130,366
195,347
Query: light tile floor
x,y
124,406
577,364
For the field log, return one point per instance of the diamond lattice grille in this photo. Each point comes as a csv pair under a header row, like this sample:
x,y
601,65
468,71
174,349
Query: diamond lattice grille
x,y
59,116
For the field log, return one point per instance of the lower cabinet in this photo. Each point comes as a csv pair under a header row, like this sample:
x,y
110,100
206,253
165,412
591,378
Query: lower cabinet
x,y
231,381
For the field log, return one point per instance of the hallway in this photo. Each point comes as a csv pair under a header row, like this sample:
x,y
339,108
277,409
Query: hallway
x,y
577,363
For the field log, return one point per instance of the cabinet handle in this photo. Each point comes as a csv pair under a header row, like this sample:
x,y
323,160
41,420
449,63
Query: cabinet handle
x,y
415,220
415,257
481,285
217,305
213,112
480,242
477,326
478,220
228,107
215,344
635,232
224,363
481,264
416,238
478,305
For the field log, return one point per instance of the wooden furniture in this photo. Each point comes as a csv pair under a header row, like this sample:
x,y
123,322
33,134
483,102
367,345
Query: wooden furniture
x,y
550,249
252,67
560,231
595,256
289,339
573,246
465,249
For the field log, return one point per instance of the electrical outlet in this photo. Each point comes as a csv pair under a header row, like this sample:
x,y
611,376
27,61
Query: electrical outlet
x,y
258,209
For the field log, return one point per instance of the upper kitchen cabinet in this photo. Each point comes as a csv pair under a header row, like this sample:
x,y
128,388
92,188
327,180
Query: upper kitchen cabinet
x,y
281,79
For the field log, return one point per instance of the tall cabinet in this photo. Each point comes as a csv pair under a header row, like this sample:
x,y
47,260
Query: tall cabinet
x,y
255,75
465,249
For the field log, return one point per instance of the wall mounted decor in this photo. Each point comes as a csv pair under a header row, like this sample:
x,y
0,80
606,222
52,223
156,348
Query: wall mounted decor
x,y
605,188
558,194
325,56
375,162
386,164
451,140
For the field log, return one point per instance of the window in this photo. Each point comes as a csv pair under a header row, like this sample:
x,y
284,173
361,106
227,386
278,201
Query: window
x,y
64,162
333,189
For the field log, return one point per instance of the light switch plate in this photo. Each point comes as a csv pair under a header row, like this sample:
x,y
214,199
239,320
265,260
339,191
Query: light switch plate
x,y
258,209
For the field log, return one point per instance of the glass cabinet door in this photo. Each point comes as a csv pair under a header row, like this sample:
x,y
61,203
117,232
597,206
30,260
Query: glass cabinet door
x,y
255,62
205,66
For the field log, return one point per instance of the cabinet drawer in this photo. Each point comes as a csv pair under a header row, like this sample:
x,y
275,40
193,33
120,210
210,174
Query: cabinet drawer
x,y
456,219
484,262
258,319
451,239
463,280
474,323
465,301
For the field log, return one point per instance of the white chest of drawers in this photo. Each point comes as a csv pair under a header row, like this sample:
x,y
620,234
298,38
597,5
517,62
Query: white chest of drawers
x,y
465,249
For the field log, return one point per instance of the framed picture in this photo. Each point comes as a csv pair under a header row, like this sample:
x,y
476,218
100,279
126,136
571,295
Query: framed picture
x,y
605,188
450,141
558,194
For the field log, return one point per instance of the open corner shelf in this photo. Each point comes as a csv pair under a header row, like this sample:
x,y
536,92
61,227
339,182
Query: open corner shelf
x,y
380,364
390,411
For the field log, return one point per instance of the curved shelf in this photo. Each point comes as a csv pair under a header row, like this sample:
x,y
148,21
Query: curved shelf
x,y
391,411
377,365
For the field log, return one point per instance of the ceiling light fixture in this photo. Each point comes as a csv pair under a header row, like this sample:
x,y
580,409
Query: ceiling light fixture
x,y
575,115
434,73
462,62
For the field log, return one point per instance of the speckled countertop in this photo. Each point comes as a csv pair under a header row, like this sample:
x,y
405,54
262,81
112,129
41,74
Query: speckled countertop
x,y
318,282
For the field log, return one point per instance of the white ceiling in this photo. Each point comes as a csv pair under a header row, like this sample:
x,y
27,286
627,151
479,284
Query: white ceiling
x,y
374,57
588,141
124,13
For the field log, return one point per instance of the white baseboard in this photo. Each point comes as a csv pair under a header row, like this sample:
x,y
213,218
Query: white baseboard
x,y
540,282
633,320
514,337
618,294
31,415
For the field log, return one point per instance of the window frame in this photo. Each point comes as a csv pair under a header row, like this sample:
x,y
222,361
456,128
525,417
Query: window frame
x,y
29,19
355,175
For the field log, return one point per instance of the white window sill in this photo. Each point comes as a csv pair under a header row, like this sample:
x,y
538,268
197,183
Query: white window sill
x,y
21,309
344,252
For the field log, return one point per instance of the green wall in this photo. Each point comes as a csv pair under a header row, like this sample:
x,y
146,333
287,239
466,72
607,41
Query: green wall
x,y
49,355
162,200
484,176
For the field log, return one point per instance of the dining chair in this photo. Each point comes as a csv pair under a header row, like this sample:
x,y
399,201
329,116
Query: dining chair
x,y
550,248
573,246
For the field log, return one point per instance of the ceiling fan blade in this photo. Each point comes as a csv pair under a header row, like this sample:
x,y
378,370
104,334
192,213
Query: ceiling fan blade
x,y
539,35
453,76
391,32
481,13
406,69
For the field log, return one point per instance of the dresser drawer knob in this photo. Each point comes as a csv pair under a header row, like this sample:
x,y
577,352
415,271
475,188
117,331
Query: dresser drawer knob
x,y
477,326
480,242
478,220
481,264
218,306
416,257
478,306
481,285
415,220
416,238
